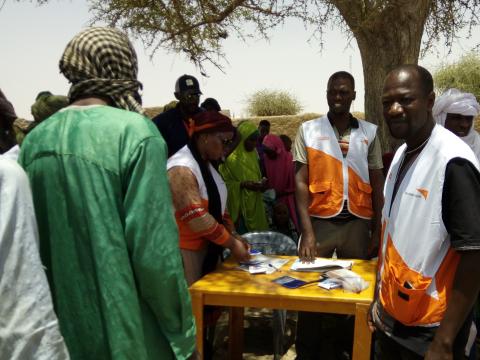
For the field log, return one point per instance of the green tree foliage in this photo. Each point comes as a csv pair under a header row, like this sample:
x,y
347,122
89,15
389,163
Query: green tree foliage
x,y
463,75
272,103
388,32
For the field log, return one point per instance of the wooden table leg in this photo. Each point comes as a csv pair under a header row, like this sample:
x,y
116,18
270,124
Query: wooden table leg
x,y
362,337
235,333
197,306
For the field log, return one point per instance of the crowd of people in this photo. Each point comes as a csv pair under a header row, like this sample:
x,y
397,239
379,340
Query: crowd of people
x,y
107,216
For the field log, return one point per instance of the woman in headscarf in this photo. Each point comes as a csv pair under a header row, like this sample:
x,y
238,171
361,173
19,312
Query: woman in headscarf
x,y
200,197
108,237
46,104
241,172
280,173
456,111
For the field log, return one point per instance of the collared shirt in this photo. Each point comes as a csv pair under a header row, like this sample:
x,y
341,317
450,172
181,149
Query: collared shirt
x,y
374,155
374,149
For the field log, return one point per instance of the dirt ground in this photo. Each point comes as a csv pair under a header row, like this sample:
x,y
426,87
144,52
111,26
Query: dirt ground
x,y
258,336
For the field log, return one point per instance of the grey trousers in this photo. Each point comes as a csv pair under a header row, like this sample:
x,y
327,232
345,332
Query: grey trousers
x,y
349,238
327,336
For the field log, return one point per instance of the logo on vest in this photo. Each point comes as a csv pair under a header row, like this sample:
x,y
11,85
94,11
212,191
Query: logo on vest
x,y
323,138
365,141
424,193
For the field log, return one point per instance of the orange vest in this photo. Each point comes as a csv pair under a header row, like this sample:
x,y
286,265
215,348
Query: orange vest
x,y
417,264
332,178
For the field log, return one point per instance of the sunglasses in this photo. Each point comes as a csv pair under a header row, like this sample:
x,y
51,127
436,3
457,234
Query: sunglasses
x,y
192,96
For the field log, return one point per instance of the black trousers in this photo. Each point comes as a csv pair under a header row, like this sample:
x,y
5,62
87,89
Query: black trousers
x,y
388,349
328,336
324,336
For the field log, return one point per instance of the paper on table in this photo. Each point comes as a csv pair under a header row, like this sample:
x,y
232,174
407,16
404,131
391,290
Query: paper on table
x,y
263,265
330,284
321,264
256,259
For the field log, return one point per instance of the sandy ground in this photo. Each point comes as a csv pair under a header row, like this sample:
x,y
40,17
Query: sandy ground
x,y
258,336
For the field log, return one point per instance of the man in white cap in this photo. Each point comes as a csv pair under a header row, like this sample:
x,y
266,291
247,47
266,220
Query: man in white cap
x,y
173,124
456,110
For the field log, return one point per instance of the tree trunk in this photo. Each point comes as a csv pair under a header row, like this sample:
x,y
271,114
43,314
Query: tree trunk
x,y
377,61
386,37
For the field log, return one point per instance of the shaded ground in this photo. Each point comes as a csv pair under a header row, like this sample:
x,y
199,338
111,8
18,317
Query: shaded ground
x,y
258,336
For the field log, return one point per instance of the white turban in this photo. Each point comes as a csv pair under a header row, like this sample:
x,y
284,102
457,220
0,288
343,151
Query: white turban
x,y
453,101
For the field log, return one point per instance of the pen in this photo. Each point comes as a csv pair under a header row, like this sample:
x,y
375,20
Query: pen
x,y
272,266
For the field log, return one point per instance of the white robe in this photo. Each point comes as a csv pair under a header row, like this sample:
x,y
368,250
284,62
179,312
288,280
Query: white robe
x,y
29,328
13,153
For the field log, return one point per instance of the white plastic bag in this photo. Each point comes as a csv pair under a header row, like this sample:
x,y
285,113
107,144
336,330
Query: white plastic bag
x,y
350,280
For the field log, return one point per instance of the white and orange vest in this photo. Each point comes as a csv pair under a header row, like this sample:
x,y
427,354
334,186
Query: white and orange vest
x,y
417,263
183,157
332,178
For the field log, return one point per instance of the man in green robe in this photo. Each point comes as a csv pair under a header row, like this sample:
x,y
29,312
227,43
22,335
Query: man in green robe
x,y
107,232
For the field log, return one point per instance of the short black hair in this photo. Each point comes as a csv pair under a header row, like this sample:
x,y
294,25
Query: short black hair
x,y
211,104
341,75
264,123
426,79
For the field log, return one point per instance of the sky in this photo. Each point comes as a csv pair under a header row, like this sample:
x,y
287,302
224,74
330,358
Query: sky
x,y
33,37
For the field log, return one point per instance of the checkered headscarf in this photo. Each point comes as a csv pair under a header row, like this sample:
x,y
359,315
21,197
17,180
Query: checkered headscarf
x,y
101,61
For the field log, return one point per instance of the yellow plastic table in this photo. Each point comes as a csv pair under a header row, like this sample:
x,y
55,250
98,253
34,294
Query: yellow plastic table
x,y
229,286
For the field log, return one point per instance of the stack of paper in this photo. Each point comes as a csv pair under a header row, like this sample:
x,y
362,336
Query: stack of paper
x,y
330,284
321,265
261,264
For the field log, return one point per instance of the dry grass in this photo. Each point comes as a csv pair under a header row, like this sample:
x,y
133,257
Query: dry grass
x,y
287,124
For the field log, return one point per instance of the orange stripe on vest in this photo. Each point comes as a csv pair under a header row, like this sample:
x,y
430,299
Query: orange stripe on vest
x,y
403,290
325,178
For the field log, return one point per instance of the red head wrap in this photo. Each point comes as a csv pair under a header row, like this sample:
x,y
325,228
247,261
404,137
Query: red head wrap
x,y
210,121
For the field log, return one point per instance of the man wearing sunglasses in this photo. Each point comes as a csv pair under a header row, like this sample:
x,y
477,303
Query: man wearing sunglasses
x,y
173,123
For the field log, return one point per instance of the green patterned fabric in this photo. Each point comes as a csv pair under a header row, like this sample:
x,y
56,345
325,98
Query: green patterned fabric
x,y
245,206
108,236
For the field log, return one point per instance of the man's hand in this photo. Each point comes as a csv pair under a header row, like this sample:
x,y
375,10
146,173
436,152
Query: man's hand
x,y
307,249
